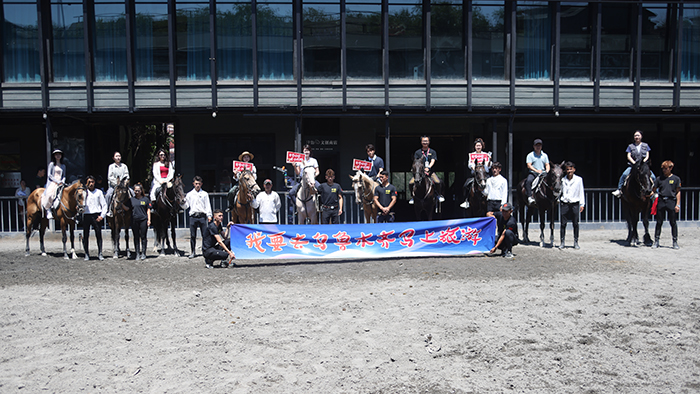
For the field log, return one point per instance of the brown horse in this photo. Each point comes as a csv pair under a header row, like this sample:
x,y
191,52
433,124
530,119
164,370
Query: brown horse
x,y
636,200
364,194
121,218
546,197
71,206
424,192
242,211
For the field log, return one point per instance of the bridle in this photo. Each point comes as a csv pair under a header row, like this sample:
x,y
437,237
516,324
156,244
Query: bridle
x,y
79,207
306,184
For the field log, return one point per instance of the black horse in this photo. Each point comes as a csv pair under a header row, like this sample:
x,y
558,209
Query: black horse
x,y
424,192
170,199
546,197
475,193
636,200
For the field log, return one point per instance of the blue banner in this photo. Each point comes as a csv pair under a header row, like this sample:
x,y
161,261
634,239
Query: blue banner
x,y
407,239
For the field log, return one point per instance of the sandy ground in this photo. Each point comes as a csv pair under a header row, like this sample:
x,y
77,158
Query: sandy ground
x,y
603,319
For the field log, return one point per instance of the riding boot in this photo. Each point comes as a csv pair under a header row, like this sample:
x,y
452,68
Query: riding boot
x,y
656,243
137,249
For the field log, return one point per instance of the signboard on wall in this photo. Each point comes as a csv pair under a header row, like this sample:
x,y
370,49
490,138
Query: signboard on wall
x,y
10,180
326,144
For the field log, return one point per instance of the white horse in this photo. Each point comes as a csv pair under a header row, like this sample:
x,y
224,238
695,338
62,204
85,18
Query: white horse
x,y
306,197
364,194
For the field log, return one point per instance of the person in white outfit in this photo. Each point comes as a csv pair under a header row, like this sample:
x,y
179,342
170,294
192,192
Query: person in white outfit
x,y
163,172
496,190
56,176
197,201
572,201
95,210
267,204
116,173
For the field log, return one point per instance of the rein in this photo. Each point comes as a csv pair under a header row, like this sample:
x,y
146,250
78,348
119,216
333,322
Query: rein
x,y
67,211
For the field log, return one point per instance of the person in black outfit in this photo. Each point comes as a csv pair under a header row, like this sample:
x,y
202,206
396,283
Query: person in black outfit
x,y
507,228
429,155
331,199
215,240
669,202
40,180
140,220
385,198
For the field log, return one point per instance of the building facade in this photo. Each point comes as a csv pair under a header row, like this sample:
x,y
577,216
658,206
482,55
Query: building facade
x,y
270,76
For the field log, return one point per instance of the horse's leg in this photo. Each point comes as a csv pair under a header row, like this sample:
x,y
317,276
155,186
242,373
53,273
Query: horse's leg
x,y
173,225
526,224
551,226
542,224
645,221
28,233
126,237
64,238
115,238
71,228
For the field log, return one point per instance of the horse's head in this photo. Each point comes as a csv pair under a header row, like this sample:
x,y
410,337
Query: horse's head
x,y
79,194
553,179
642,174
480,176
357,186
121,194
246,178
418,170
308,177
179,191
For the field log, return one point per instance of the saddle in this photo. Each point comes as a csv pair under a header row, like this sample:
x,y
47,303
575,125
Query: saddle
x,y
537,180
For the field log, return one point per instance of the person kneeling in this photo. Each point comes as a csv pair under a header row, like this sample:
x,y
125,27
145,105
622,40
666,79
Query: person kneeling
x,y
214,242
507,228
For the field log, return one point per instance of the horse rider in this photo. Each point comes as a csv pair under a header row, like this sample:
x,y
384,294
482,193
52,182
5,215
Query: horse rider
x,y
636,151
116,172
385,196
245,157
163,173
56,176
429,156
538,165
377,162
476,157
331,196
496,189
95,210
299,169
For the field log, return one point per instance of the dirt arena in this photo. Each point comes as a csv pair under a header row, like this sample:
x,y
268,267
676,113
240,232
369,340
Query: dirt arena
x,y
603,319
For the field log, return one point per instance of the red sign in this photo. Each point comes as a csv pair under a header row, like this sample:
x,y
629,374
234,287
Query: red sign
x,y
361,165
479,157
293,157
239,166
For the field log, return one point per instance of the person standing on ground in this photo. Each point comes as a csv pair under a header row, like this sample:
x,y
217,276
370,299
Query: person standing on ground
x,y
429,156
140,220
267,204
95,210
385,196
215,240
668,186
377,162
116,172
200,212
22,193
496,190
571,203
538,165
507,230
636,151
331,196
56,177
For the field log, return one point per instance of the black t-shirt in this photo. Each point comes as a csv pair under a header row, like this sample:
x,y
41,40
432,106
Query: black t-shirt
x,y
384,194
330,194
208,240
427,156
667,187
139,207
502,224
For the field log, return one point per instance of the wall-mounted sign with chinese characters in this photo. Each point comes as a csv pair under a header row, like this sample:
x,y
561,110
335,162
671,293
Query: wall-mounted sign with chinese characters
x,y
409,239
322,143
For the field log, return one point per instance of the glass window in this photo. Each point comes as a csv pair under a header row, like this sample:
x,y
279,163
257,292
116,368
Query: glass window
x,y
363,25
321,41
616,42
21,46
575,48
446,41
68,44
656,46
533,51
488,37
690,53
234,41
151,49
110,42
193,43
406,42
275,42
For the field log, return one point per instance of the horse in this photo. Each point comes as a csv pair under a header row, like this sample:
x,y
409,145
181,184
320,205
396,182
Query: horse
x,y
71,206
306,197
636,200
546,196
121,218
242,211
364,194
423,190
169,201
475,193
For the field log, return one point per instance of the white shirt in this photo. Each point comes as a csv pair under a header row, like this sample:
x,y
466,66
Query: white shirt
x,y
311,162
117,173
269,205
572,190
95,202
497,189
198,202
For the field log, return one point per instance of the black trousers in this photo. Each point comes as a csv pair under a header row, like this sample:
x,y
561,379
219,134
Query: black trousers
x,y
140,230
569,212
385,218
508,241
330,216
528,183
214,253
664,208
493,205
197,222
90,220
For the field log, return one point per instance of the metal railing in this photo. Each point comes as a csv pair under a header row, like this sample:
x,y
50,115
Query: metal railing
x,y
601,207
